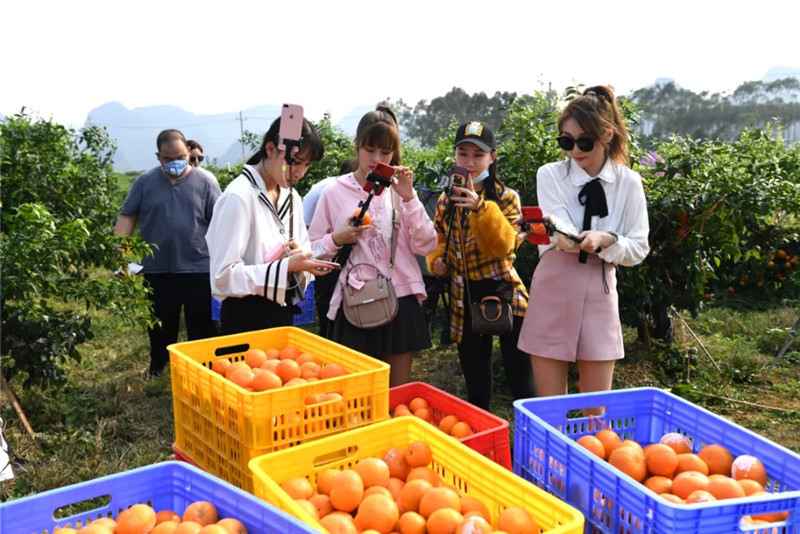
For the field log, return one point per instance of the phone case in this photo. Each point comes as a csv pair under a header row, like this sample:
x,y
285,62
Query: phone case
x,y
534,220
458,176
382,170
291,124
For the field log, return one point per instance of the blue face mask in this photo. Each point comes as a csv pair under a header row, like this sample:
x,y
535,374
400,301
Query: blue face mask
x,y
176,168
481,177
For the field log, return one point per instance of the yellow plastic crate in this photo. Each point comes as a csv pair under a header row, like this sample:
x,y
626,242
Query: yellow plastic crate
x,y
222,426
457,465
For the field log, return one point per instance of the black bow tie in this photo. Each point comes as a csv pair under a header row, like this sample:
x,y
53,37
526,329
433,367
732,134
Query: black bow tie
x,y
593,198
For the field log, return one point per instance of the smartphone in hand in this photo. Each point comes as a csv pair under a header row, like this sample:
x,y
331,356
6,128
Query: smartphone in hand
x,y
382,175
534,224
291,126
458,177
327,265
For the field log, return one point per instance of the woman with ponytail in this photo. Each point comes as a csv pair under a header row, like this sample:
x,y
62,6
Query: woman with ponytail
x,y
594,194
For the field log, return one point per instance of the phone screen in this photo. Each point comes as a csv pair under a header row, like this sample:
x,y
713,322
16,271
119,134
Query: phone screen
x,y
291,124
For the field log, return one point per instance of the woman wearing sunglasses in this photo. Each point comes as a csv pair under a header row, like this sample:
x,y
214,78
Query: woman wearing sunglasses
x,y
594,194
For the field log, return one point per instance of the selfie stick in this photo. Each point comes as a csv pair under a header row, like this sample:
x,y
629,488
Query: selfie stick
x,y
551,228
289,156
377,182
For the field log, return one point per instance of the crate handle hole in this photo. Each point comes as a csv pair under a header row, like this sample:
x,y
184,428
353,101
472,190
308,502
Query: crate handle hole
x,y
336,456
81,507
233,349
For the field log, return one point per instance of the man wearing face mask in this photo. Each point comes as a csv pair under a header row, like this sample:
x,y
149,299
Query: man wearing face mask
x,y
173,204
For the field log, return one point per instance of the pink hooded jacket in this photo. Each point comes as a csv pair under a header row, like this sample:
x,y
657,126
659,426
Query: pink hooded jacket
x,y
416,235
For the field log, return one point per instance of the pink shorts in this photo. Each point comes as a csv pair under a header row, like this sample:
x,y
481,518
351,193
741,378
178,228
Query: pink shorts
x,y
570,316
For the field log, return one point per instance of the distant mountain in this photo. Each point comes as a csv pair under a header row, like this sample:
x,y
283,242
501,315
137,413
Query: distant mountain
x,y
135,130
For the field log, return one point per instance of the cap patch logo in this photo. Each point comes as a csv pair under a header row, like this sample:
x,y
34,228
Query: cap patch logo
x,y
474,128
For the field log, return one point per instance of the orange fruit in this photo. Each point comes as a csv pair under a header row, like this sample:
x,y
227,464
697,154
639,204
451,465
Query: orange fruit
x,y
769,517
347,490
373,471
717,458
366,220
418,454
270,365
395,487
232,525
266,380
688,481
690,462
395,459
331,370
242,376
474,524
201,512
661,460
377,512
424,414
659,484
108,522
700,496
747,466
322,503
593,445
416,403
411,523
255,357
289,352
309,370
294,381
749,486
444,521
609,439
516,520
167,515
273,354
630,461
305,358
64,530
412,493
212,529
233,367
378,490
167,527
93,528
308,507
671,498
471,504
724,487
677,441
338,523
325,480
188,527
631,443
221,365
425,473
136,519
436,498
401,409
446,423
297,487
461,430
287,369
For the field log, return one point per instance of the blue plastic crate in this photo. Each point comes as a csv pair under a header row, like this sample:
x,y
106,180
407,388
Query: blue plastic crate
x,y
164,486
306,315
545,453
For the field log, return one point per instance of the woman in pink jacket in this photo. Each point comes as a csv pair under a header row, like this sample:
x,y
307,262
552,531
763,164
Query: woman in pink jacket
x,y
377,140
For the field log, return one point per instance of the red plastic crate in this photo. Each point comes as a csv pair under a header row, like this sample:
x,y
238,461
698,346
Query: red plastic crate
x,y
180,456
490,436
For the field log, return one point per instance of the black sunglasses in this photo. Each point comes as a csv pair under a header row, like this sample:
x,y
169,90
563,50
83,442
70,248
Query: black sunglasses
x,y
196,158
585,144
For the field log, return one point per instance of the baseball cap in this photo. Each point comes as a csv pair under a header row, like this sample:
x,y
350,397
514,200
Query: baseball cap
x,y
476,133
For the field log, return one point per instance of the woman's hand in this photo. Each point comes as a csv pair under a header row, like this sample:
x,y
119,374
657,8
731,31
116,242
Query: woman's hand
x,y
440,267
302,261
466,197
595,241
405,182
347,233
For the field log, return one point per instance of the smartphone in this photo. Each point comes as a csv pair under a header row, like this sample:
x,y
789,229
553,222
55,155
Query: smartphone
x,y
533,223
328,264
458,177
291,124
382,176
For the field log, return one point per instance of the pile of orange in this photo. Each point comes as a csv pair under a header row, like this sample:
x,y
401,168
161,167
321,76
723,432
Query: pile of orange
x,y
672,470
200,517
263,370
449,424
401,493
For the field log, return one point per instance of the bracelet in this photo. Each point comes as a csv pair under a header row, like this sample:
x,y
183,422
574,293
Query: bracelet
x,y
615,236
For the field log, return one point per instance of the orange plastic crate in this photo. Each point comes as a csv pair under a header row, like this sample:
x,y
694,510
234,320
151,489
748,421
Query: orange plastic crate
x,y
490,436
222,426
456,464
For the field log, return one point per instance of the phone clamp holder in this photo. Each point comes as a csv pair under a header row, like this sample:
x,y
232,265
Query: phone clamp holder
x,y
289,155
378,182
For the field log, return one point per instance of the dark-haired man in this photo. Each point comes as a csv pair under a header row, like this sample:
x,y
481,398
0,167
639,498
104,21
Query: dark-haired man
x,y
173,204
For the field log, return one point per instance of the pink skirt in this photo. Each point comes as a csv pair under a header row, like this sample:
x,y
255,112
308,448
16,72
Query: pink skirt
x,y
570,316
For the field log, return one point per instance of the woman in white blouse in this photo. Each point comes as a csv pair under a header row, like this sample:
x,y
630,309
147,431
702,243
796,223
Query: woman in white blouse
x,y
573,315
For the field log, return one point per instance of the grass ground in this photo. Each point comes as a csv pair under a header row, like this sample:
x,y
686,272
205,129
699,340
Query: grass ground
x,y
110,418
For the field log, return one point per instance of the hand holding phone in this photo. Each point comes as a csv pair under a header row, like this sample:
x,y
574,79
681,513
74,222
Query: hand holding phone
x,y
539,229
291,126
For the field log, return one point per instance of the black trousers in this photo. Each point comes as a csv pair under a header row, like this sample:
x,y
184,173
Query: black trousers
x,y
253,312
475,354
170,293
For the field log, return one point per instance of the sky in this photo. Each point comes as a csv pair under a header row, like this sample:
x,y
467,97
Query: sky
x,y
62,59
